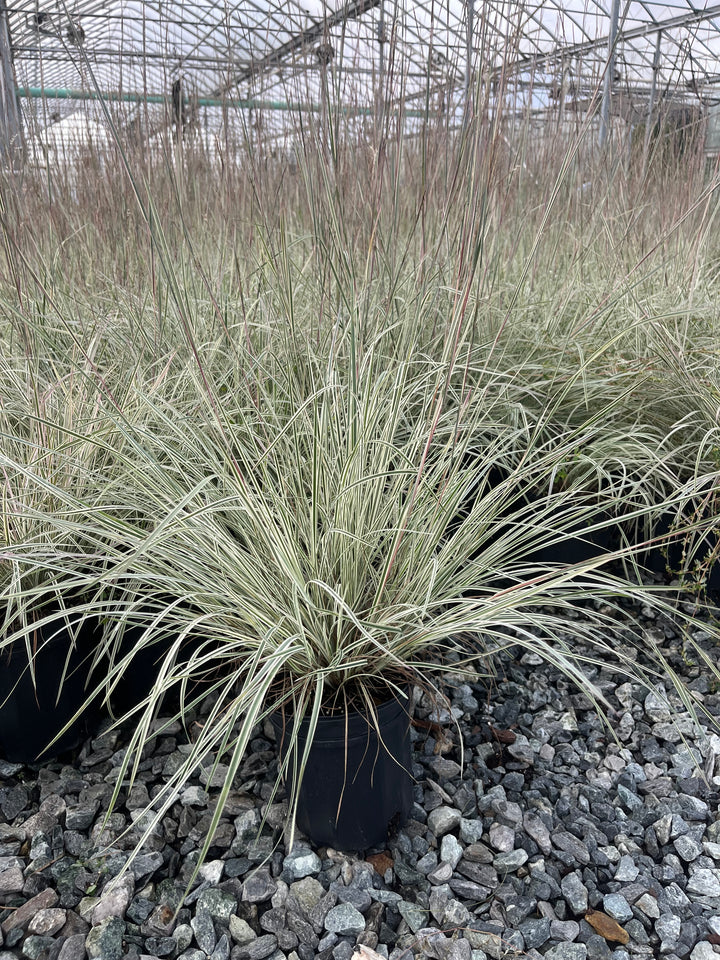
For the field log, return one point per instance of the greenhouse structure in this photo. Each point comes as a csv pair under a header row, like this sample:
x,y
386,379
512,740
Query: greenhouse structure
x,y
203,67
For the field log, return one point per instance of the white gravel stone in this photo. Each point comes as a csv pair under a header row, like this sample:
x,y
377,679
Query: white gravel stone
x,y
649,906
704,883
704,951
657,709
212,871
470,830
241,931
194,797
687,848
663,826
502,838
443,819
451,850
711,850
115,900
46,923
627,869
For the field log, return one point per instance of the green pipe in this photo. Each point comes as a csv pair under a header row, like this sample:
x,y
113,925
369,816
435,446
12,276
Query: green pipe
x,y
63,93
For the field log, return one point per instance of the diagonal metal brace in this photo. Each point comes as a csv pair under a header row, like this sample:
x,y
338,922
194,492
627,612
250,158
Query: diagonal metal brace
x,y
349,11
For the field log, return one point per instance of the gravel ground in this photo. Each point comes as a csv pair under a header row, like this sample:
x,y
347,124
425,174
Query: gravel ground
x,y
552,840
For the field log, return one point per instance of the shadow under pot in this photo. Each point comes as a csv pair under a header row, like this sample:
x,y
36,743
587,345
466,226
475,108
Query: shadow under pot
x,y
357,790
33,713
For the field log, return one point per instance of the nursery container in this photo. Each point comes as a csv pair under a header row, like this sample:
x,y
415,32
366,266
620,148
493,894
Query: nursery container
x,y
148,653
355,790
31,714
668,557
575,546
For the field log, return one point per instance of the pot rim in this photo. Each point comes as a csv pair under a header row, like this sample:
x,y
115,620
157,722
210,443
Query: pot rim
x,y
355,725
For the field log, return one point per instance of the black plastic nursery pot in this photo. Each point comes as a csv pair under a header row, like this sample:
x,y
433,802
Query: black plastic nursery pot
x,y
138,678
32,714
356,789
137,681
666,558
574,544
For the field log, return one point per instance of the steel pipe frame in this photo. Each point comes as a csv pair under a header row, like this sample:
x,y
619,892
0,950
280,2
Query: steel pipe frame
x,y
59,93
608,75
11,132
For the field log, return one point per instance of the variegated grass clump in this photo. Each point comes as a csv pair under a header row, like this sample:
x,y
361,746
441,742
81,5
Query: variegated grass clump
x,y
356,515
336,425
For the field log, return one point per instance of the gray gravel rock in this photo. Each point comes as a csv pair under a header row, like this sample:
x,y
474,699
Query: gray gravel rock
x,y
648,905
508,851
307,893
667,928
241,931
105,941
48,922
301,862
12,880
687,848
575,893
617,907
535,828
258,949
345,920
114,900
471,831
183,935
511,861
219,905
564,930
627,870
259,887
35,946
567,951
451,850
501,837
704,951
204,931
73,948
535,932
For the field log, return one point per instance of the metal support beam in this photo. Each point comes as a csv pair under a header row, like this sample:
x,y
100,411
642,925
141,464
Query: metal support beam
x,y
609,72
469,33
633,33
382,39
651,101
11,139
62,93
534,63
351,10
